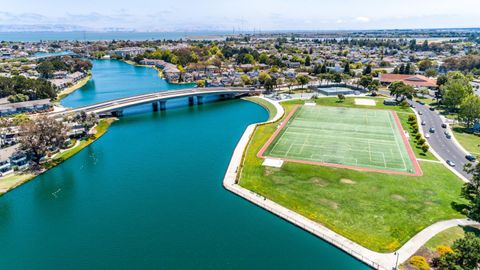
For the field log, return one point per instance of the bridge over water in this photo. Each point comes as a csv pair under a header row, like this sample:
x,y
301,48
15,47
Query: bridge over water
x,y
158,100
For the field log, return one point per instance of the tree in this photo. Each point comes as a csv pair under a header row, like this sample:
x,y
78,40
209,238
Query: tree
x,y
41,135
269,84
367,70
200,83
425,148
308,61
365,80
401,90
469,111
441,80
245,79
425,64
45,69
431,72
471,191
346,69
263,77
455,90
302,80
465,255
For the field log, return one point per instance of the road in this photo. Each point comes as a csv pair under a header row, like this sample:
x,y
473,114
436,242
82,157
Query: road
x,y
444,147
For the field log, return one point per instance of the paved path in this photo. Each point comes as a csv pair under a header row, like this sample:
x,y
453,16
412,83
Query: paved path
x,y
374,259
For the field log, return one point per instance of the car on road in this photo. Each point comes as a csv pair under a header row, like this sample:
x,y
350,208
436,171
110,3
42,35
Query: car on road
x,y
470,158
427,136
420,112
432,130
451,163
412,106
421,102
444,125
448,135
423,123
431,109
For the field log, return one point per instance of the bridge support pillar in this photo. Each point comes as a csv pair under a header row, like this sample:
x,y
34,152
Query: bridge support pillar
x,y
226,96
163,105
191,101
117,113
199,100
155,106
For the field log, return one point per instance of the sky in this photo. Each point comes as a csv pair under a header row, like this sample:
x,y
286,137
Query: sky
x,y
241,15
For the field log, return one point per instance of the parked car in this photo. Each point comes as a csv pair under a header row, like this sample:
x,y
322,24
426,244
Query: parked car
x,y
470,158
431,109
420,112
451,163
432,130
423,123
448,136
444,125
427,136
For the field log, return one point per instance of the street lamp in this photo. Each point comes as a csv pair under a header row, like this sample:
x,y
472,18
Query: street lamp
x,y
396,263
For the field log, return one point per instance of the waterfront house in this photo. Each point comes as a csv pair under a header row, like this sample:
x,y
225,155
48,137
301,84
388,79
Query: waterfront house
x,y
25,107
19,160
5,167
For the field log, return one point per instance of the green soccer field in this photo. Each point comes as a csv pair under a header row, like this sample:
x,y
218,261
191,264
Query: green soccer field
x,y
359,138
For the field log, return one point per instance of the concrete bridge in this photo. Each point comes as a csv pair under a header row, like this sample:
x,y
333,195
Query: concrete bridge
x,y
158,100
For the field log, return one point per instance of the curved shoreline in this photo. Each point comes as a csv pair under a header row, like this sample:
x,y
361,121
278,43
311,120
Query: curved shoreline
x,y
371,258
67,91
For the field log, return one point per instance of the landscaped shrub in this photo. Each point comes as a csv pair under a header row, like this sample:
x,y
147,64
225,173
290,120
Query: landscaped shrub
x,y
418,136
420,263
421,141
442,250
412,119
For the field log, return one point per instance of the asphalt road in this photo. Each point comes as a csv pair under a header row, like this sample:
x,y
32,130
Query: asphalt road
x,y
444,147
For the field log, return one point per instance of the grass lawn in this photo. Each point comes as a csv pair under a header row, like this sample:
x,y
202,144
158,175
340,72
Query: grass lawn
x,y
469,141
379,211
447,237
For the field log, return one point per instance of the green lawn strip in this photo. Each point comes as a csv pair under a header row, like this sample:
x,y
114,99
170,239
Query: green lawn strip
x,y
272,111
379,211
469,141
448,236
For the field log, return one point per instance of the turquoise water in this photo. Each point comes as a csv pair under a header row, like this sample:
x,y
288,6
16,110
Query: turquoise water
x,y
149,195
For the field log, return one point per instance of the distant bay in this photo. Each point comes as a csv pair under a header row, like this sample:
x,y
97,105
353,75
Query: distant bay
x,y
35,36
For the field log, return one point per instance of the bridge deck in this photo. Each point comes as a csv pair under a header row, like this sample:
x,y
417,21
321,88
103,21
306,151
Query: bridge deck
x,y
122,103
